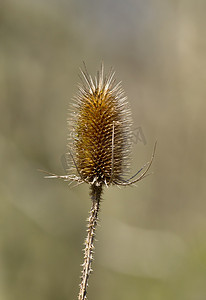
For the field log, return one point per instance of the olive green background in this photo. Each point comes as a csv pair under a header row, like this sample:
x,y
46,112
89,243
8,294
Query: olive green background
x,y
152,238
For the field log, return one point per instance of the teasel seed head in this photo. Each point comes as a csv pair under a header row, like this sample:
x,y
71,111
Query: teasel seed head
x,y
100,139
100,130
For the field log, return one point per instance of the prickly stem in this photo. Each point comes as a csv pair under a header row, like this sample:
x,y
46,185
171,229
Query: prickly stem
x,y
89,242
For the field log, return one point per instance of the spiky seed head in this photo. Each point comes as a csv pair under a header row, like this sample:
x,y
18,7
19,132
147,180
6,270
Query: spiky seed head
x,y
100,130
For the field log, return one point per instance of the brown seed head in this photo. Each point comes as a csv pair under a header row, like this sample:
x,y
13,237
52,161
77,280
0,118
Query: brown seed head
x,y
100,124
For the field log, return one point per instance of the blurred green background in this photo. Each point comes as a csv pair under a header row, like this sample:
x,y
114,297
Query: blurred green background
x,y
152,239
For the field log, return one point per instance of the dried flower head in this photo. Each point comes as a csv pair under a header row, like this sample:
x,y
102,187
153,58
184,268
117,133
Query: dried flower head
x,y
100,140
100,132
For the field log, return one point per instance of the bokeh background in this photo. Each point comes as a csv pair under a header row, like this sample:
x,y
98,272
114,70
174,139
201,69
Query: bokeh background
x,y
152,238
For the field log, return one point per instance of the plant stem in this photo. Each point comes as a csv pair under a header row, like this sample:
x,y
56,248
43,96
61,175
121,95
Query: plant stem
x,y
96,192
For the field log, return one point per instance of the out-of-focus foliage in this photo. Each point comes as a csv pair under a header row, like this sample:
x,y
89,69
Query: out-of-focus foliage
x,y
152,239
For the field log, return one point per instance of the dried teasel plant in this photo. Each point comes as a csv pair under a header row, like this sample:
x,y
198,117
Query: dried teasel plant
x,y
99,148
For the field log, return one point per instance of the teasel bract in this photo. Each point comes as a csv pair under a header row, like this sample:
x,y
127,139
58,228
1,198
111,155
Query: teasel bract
x,y
99,148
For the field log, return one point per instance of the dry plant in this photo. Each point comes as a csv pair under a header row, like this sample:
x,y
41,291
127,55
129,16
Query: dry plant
x,y
99,148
